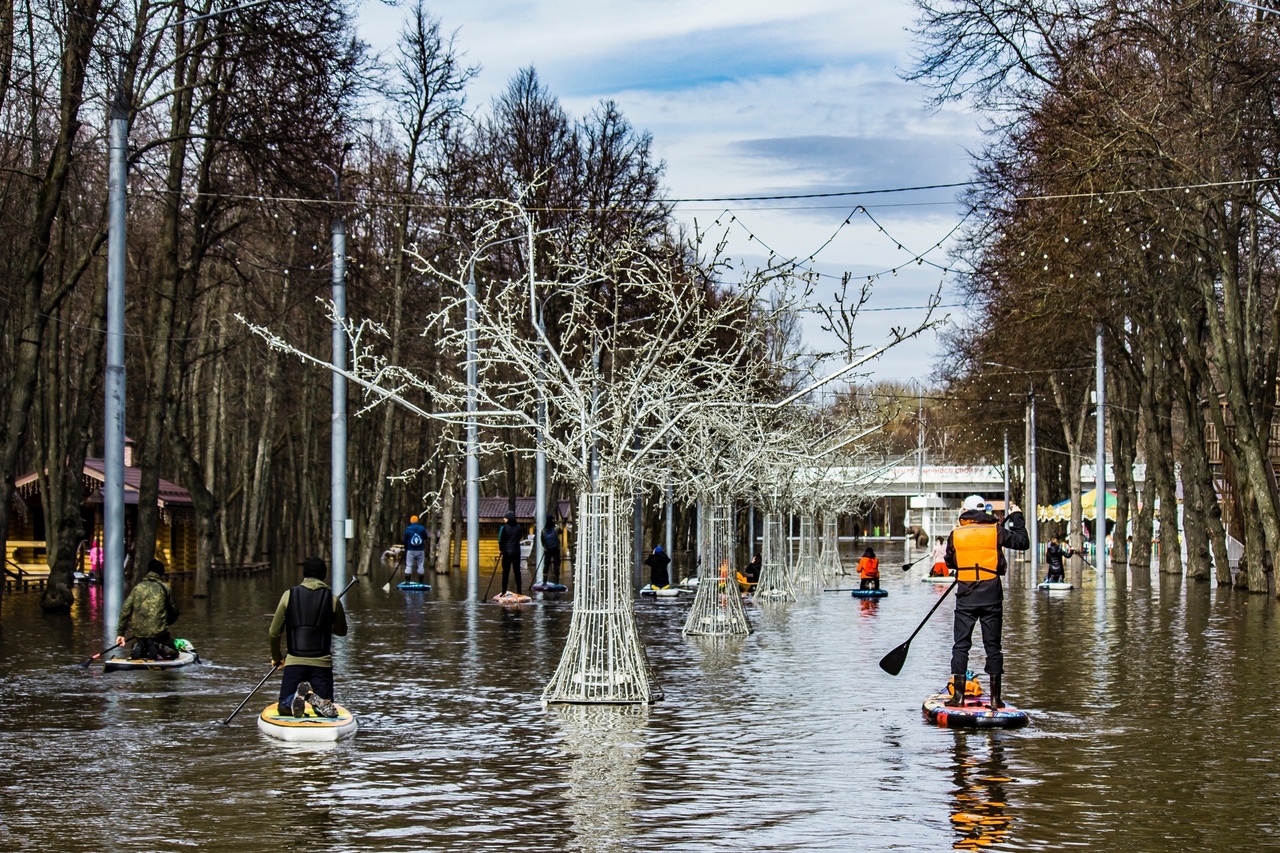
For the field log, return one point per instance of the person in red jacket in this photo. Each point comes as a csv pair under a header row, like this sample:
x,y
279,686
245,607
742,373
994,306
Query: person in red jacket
x,y
869,570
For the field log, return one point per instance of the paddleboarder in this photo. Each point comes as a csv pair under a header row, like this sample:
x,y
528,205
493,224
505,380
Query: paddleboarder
x,y
146,615
658,563
510,535
939,569
1053,556
975,555
415,550
869,570
551,553
309,616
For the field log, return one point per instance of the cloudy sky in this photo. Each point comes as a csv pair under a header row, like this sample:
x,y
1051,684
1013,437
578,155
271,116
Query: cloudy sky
x,y
751,98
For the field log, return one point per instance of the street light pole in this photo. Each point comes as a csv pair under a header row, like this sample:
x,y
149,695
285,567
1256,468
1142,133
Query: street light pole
x,y
1033,526
340,525
1100,478
114,380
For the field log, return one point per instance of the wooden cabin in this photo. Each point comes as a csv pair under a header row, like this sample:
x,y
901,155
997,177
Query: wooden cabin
x,y
493,513
26,552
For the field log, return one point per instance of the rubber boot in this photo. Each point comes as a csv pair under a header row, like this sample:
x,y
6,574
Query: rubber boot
x,y
956,700
995,692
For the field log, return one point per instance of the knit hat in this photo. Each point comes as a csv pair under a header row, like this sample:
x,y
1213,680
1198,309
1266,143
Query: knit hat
x,y
314,567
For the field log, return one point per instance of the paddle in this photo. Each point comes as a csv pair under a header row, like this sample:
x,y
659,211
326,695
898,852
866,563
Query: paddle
x,y
276,666
489,585
104,651
907,566
892,662
386,587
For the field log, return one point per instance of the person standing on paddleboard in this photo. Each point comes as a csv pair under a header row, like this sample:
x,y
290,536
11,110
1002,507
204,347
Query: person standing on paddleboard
x,y
415,550
309,616
146,615
551,553
975,555
510,535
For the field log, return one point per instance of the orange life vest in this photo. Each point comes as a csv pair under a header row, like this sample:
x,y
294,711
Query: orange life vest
x,y
977,554
869,567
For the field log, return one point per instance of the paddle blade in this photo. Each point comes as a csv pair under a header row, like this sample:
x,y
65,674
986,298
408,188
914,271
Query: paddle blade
x,y
892,662
906,566
386,587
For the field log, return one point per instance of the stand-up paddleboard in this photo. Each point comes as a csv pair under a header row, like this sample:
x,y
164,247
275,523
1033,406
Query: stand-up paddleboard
x,y
118,664
1054,585
509,598
660,591
869,593
548,587
975,713
937,578
311,728
414,586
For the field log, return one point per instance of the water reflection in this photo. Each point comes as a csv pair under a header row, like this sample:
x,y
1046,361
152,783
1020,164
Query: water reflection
x,y
789,739
979,811
602,748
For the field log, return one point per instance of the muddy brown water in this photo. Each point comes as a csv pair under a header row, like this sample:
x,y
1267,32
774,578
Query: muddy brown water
x,y
1152,705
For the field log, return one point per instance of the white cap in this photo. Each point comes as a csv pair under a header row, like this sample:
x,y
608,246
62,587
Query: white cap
x,y
973,502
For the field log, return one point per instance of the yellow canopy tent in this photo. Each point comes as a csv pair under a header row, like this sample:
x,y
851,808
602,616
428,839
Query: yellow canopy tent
x,y
1061,511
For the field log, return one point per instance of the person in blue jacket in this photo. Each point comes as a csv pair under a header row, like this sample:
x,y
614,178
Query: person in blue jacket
x,y
415,550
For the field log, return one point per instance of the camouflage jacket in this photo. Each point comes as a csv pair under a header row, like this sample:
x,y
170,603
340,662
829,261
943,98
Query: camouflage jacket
x,y
149,610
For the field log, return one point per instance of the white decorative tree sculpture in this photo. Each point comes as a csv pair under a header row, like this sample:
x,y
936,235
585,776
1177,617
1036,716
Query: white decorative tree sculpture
x,y
717,606
775,571
829,566
808,576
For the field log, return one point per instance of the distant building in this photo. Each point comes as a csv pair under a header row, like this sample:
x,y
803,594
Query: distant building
x,y
493,512
175,532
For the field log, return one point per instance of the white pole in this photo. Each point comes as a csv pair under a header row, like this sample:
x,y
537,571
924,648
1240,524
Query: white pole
x,y
1100,479
1033,523
473,461
338,436
114,380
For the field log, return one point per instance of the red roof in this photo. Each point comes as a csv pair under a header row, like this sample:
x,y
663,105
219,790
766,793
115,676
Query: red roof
x,y
495,509
170,494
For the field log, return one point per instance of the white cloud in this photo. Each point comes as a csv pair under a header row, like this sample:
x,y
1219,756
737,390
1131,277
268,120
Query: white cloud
x,y
747,97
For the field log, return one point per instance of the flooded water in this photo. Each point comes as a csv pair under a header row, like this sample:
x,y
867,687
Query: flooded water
x,y
1152,730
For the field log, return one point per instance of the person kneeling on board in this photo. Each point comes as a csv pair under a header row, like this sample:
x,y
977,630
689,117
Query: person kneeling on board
x,y
308,616
869,570
939,569
658,562
975,555
146,615
1054,555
